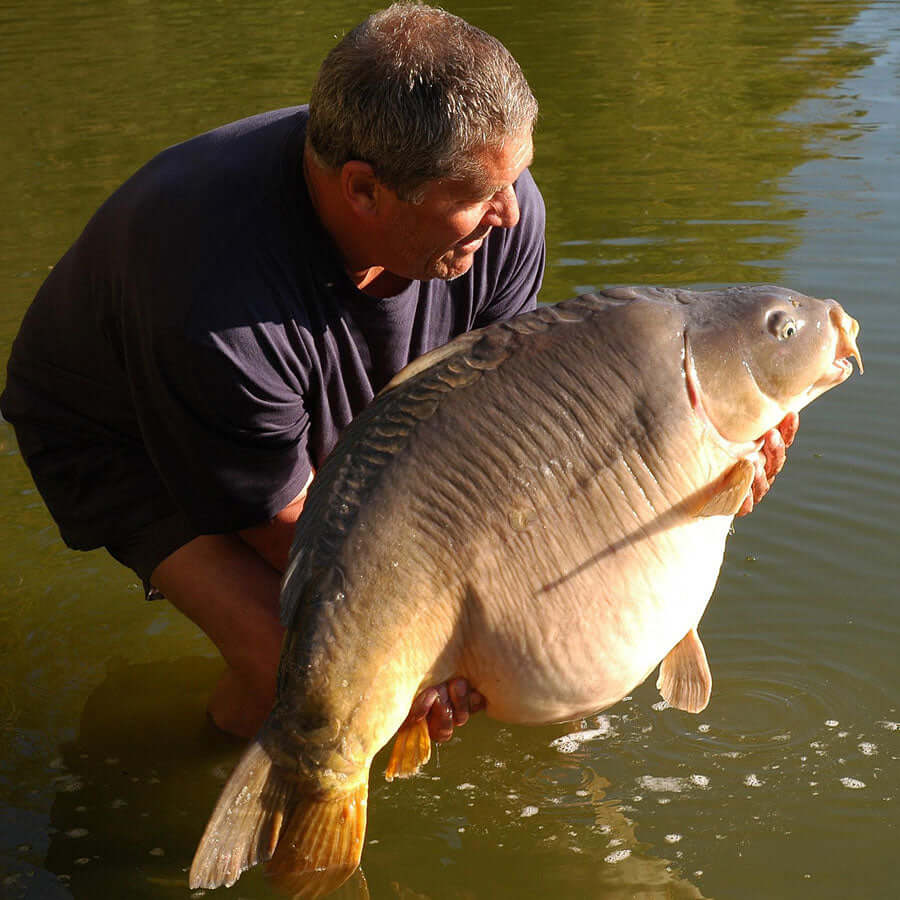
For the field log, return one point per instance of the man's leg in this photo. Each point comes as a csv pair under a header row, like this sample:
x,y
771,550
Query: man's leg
x,y
231,593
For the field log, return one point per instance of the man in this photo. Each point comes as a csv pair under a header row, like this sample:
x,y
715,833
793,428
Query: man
x,y
191,360
193,357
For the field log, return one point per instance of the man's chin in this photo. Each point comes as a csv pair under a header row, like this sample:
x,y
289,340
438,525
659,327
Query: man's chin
x,y
448,268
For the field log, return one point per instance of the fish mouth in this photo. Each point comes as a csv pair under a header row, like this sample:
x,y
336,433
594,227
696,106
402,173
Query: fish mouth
x,y
845,350
848,329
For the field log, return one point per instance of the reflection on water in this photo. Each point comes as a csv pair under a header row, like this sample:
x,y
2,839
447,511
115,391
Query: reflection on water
x,y
684,143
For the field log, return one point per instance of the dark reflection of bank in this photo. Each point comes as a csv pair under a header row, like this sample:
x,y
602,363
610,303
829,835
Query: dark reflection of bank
x,y
668,130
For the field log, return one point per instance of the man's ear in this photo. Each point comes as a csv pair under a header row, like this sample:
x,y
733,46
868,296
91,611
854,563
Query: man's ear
x,y
360,187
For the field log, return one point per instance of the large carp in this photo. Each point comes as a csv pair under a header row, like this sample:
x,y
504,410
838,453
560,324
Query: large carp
x,y
540,507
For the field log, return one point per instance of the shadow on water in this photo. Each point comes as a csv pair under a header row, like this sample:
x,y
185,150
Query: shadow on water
x,y
131,788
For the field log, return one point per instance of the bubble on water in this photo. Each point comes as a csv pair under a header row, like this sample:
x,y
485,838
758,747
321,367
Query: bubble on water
x,y
528,811
703,729
661,705
671,784
867,748
68,784
831,723
853,783
700,780
752,780
569,743
465,786
673,838
617,856
890,726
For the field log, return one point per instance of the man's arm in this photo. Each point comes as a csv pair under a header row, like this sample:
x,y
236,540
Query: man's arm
x,y
272,540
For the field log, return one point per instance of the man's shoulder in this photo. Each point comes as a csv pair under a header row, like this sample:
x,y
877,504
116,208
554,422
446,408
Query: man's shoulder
x,y
224,162
197,214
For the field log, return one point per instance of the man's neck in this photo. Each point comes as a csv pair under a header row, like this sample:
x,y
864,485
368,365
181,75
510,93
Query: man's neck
x,y
324,193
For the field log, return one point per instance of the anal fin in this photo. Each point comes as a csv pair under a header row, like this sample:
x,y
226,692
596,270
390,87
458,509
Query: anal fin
x,y
685,681
412,749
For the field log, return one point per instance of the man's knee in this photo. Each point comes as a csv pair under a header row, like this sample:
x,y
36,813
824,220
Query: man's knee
x,y
231,593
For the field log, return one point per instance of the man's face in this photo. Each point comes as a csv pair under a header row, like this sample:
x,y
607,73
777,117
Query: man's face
x,y
438,236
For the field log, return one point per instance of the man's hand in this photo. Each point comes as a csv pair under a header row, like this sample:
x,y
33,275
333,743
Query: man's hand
x,y
446,706
770,459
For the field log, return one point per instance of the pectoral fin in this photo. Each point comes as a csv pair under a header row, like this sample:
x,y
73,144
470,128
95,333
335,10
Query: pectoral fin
x,y
727,494
685,681
412,749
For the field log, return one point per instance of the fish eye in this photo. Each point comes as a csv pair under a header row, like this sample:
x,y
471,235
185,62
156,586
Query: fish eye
x,y
782,325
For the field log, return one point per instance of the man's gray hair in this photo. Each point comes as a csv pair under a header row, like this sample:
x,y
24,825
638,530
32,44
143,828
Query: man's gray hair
x,y
417,92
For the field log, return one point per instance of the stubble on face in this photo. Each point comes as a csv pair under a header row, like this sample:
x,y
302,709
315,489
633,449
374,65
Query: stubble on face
x,y
442,234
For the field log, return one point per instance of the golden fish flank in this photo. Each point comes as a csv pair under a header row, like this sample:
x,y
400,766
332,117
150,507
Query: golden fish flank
x,y
424,552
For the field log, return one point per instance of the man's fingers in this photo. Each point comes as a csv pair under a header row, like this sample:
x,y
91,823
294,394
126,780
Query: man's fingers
x,y
770,460
775,452
788,427
446,706
459,697
422,704
440,716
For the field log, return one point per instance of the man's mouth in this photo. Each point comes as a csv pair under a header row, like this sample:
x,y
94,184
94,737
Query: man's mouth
x,y
473,241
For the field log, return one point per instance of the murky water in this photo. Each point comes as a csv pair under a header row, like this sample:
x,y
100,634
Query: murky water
x,y
679,143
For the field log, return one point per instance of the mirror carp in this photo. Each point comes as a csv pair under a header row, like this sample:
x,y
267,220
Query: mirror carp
x,y
540,507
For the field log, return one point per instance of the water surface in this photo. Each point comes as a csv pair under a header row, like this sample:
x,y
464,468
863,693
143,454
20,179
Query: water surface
x,y
679,143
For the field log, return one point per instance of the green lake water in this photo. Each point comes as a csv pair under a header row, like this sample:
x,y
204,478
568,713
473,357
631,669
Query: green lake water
x,y
679,143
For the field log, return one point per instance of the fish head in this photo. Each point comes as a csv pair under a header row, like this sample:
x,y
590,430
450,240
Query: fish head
x,y
755,353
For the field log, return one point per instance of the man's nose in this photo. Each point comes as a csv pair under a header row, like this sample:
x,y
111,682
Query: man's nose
x,y
504,208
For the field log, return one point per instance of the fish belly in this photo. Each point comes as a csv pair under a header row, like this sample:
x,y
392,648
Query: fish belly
x,y
567,648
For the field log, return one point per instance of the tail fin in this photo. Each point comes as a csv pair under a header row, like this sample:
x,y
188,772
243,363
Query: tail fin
x,y
321,843
246,823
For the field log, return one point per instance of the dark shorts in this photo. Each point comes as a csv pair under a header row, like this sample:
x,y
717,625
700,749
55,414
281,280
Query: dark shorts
x,y
144,549
106,493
